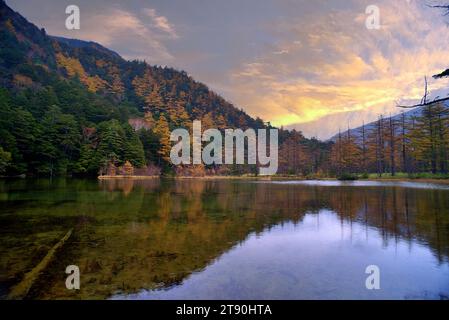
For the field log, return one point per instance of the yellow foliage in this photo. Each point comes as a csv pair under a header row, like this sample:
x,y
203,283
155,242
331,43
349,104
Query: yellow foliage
x,y
44,66
100,63
128,169
117,85
21,80
74,68
142,85
149,120
163,131
56,46
10,26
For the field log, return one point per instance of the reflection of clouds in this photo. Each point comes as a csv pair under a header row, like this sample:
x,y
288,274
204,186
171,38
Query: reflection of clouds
x,y
340,67
165,230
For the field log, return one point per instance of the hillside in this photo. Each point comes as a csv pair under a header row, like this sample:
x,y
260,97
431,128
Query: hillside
x,y
357,132
93,93
103,71
72,107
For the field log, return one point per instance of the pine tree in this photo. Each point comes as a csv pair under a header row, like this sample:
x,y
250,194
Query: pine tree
x,y
151,145
59,142
133,152
112,144
5,158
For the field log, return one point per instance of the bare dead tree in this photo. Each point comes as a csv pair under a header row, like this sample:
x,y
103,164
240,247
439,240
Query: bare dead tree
x,y
392,142
404,144
424,104
380,146
429,123
340,150
424,100
365,169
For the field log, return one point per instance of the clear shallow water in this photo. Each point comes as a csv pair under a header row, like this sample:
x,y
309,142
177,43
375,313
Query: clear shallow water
x,y
366,183
318,258
193,239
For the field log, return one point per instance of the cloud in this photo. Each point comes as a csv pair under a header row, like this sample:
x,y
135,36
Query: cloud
x,y
284,51
161,22
331,64
288,62
133,36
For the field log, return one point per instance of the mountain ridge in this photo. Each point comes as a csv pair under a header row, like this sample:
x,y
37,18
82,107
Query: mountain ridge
x,y
74,107
356,132
78,43
101,69
70,106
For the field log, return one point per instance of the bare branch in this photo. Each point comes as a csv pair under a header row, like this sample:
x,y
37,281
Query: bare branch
x,y
424,104
445,7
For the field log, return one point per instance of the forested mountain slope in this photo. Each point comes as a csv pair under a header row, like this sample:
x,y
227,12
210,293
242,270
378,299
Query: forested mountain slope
x,y
66,104
72,107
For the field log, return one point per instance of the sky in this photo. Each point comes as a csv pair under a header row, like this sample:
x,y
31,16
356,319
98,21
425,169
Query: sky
x,y
309,65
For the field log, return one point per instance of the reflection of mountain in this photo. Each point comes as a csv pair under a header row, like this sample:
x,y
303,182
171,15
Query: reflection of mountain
x,y
155,233
320,258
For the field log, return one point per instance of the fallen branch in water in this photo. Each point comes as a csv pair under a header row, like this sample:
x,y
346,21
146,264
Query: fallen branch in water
x,y
21,290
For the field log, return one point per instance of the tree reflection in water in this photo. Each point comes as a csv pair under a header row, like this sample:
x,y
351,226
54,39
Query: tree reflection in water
x,y
144,234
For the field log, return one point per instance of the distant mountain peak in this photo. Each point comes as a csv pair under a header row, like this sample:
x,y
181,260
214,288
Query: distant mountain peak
x,y
356,132
76,43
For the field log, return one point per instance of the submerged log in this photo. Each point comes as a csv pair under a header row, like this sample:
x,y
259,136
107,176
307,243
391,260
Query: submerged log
x,y
20,291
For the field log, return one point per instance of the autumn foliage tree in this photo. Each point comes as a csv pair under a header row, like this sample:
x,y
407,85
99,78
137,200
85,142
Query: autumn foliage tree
x,y
162,130
294,157
429,138
345,154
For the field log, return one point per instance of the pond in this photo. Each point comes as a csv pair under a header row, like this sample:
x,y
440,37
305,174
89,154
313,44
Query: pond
x,y
226,239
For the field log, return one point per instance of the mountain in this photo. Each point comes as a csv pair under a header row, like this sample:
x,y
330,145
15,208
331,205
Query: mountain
x,y
75,43
73,107
357,132
95,93
325,127
103,71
